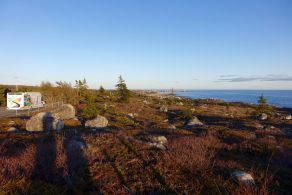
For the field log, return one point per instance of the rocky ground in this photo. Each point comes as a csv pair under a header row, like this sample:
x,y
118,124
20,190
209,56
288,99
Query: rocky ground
x,y
152,145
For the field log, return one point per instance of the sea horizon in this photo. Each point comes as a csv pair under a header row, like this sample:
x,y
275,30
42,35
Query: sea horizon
x,y
279,98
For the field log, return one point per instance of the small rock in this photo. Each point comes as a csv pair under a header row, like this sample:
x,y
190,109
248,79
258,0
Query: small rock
x,y
145,102
243,178
157,145
180,103
288,117
278,114
163,109
12,124
166,121
99,122
131,116
159,139
258,126
263,117
194,122
173,127
270,128
12,129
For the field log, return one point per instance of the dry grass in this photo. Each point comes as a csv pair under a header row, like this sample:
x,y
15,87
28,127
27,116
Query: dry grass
x,y
83,162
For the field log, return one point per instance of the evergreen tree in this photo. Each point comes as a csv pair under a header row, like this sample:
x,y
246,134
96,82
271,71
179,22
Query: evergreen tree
x,y
262,100
81,87
124,93
3,95
263,106
101,90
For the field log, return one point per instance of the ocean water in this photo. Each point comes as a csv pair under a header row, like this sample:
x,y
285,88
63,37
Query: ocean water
x,y
279,98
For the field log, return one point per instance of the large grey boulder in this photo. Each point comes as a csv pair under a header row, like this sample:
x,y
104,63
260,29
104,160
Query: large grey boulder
x,y
40,122
98,123
193,122
243,178
67,112
44,121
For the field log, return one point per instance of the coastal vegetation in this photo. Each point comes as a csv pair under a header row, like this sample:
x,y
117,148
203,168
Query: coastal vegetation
x,y
138,142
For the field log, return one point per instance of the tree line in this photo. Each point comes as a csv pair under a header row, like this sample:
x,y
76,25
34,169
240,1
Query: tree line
x,y
76,94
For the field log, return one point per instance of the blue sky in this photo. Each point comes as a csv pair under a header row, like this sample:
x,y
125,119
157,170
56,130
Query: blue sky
x,y
186,44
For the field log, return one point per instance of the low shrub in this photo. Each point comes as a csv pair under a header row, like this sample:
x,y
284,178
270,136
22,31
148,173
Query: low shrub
x,y
122,120
89,111
187,113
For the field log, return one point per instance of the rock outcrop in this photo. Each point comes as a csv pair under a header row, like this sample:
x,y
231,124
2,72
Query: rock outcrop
x,y
99,122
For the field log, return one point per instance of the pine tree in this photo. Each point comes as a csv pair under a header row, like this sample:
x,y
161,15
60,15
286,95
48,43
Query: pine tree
x,y
81,87
3,94
101,90
263,105
262,100
124,93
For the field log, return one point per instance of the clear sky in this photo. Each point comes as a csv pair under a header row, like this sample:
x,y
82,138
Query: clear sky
x,y
190,44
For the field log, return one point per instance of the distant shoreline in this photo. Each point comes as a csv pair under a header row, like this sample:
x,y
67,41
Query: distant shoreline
x,y
277,98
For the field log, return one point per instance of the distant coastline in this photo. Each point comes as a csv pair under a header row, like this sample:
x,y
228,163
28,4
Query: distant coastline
x,y
279,98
